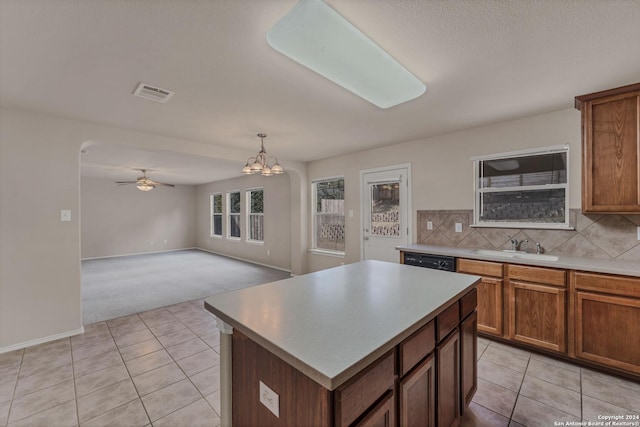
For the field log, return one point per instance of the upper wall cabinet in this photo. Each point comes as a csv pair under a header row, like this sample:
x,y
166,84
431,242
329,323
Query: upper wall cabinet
x,y
611,150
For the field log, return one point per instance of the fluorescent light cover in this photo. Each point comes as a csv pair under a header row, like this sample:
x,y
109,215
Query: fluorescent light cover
x,y
319,38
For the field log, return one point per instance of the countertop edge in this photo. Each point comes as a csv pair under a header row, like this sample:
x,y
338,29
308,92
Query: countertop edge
x,y
592,265
344,376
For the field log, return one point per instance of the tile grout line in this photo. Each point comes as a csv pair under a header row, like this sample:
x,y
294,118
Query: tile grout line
x,y
513,410
15,386
179,367
129,373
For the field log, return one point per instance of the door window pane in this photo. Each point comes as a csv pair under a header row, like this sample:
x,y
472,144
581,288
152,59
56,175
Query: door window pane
x,y
385,209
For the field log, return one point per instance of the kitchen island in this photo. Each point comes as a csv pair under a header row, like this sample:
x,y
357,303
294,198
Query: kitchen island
x,y
354,345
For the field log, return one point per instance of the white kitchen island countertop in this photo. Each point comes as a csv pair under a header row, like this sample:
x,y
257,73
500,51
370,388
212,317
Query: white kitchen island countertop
x,y
332,323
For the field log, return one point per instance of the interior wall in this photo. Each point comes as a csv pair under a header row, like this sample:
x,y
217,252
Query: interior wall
x,y
442,172
277,247
39,254
121,220
40,291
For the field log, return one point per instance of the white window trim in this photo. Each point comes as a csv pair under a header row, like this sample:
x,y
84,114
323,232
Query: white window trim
x,y
477,223
249,213
314,244
228,212
211,230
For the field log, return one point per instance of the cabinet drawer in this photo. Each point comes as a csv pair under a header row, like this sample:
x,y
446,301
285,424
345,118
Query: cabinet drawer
x,y
416,347
548,276
617,285
447,321
468,303
483,268
354,397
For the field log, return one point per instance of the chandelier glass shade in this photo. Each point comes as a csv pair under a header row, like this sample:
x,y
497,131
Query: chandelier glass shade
x,y
260,163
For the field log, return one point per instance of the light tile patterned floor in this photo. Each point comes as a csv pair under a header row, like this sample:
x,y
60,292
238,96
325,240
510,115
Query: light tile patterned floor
x,y
161,368
517,387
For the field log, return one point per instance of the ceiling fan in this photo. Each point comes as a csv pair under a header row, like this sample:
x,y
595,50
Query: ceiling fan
x,y
143,183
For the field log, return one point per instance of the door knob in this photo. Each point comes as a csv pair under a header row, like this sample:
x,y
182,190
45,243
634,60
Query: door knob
x,y
366,237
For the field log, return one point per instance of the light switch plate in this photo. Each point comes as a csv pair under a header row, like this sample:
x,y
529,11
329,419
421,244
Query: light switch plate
x,y
65,215
270,399
429,225
458,227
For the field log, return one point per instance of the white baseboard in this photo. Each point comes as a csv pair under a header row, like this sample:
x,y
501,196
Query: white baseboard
x,y
243,259
31,343
139,253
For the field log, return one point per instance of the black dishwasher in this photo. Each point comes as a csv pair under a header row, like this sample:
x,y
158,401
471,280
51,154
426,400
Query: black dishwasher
x,y
437,262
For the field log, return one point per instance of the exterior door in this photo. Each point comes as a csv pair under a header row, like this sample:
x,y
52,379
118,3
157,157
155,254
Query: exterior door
x,y
385,210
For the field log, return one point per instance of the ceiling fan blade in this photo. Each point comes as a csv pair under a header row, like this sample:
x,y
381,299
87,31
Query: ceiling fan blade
x,y
163,183
125,182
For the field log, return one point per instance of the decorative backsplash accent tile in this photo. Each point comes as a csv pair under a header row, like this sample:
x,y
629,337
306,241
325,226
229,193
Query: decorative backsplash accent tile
x,y
597,236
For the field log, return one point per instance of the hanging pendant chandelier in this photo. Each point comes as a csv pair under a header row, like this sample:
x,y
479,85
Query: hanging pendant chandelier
x,y
259,163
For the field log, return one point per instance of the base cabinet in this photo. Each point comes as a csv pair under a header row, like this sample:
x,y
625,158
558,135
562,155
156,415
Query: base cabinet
x,y
490,294
418,396
607,312
538,315
448,380
422,381
382,415
469,360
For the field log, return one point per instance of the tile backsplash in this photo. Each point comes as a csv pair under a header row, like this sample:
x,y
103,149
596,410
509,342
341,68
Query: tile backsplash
x,y
597,236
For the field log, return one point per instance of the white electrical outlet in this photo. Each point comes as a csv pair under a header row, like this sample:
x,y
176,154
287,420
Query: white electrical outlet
x,y
270,399
65,215
429,225
268,252
458,227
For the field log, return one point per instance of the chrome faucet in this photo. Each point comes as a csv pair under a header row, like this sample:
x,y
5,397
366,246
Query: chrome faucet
x,y
538,248
515,244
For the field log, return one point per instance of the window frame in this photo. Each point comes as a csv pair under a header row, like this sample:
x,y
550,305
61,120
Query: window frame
x,y
314,214
478,192
229,214
214,214
248,192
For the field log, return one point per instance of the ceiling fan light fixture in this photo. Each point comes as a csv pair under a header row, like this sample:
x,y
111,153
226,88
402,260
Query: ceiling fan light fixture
x,y
145,187
316,36
259,163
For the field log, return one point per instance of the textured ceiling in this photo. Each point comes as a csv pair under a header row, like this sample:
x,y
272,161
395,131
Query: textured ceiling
x,y
483,61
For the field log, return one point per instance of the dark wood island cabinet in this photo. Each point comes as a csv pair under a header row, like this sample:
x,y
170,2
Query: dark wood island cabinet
x,y
367,344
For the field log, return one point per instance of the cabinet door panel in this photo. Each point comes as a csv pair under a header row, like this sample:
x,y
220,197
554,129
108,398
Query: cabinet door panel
x,y
490,299
610,144
614,149
418,396
448,381
353,398
538,315
383,415
469,359
608,330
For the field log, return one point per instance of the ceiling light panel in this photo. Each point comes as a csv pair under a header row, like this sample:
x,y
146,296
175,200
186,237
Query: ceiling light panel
x,y
318,37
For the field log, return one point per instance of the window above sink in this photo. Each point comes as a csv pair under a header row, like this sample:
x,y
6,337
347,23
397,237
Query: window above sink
x,y
522,189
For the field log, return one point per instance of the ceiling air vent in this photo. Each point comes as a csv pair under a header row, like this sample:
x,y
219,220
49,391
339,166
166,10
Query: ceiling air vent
x,y
153,93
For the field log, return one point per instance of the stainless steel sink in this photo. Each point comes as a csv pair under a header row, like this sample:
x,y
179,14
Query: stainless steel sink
x,y
516,255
